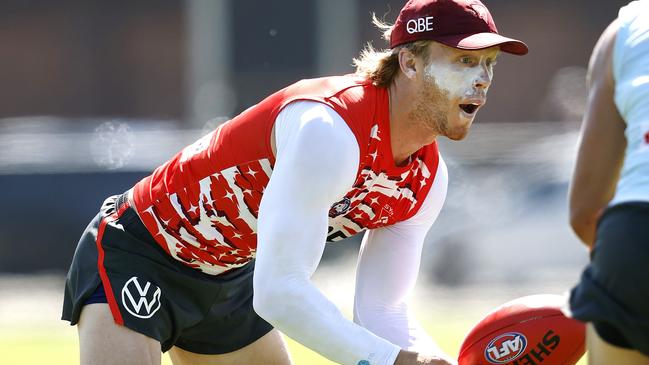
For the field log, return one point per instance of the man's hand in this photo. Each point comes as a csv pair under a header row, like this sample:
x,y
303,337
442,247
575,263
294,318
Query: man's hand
x,y
413,358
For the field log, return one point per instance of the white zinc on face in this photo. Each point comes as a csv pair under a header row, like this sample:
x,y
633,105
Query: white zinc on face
x,y
455,78
454,87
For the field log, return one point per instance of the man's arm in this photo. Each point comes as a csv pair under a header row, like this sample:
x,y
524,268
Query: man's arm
x,y
601,150
316,164
387,271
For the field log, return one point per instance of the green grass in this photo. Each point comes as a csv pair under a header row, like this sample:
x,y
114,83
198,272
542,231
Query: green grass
x,y
57,344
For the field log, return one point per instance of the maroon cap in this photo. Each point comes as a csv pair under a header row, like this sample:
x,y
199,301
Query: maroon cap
x,y
464,24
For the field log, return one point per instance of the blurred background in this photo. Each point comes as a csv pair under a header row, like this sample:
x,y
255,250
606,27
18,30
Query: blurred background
x,y
95,94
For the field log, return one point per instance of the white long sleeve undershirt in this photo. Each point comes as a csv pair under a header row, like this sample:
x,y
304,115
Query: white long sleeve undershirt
x,y
316,163
387,270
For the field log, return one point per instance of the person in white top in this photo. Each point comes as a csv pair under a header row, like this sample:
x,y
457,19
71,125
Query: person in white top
x,y
609,194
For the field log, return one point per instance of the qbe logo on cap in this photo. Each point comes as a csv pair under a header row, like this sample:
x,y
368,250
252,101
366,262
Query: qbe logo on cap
x,y
141,301
420,25
505,348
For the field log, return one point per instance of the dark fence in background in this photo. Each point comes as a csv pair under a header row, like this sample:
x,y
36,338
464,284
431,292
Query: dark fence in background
x,y
42,216
104,58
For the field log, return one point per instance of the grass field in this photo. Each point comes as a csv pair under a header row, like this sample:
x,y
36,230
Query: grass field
x,y
54,347
32,334
58,347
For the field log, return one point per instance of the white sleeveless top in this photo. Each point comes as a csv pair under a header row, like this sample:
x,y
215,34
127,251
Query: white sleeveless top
x,y
631,73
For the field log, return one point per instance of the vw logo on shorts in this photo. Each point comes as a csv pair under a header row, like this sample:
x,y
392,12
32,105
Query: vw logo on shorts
x,y
141,301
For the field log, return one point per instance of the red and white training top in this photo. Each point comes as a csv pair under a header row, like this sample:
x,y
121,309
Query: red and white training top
x,y
202,205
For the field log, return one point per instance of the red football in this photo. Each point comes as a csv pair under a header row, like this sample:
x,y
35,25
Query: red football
x,y
526,331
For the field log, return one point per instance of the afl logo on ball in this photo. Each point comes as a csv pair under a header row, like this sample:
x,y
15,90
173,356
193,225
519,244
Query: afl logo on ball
x,y
505,348
141,301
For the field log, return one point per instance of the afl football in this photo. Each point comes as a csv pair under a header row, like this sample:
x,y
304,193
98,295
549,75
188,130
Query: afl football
x,y
530,330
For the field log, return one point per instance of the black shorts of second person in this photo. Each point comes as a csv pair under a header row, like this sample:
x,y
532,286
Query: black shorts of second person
x,y
613,292
158,296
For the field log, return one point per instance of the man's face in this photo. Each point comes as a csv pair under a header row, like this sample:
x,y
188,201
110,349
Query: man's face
x,y
451,87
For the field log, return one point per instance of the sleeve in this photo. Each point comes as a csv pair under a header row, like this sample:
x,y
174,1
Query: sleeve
x,y
387,271
317,160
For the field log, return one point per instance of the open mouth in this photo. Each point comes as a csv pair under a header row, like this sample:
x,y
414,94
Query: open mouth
x,y
469,108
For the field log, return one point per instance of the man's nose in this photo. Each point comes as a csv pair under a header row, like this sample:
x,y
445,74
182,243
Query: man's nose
x,y
483,80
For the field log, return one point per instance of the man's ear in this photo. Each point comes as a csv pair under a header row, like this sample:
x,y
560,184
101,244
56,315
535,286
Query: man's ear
x,y
407,63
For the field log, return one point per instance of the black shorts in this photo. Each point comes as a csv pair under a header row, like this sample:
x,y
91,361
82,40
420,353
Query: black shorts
x,y
613,292
151,293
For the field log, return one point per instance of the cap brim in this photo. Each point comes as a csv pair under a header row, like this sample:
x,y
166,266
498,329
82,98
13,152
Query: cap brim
x,y
485,40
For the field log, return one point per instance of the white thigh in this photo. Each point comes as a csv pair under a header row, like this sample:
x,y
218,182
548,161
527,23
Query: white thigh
x,y
268,350
104,342
603,353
